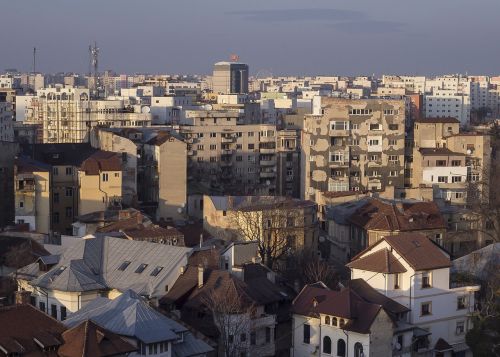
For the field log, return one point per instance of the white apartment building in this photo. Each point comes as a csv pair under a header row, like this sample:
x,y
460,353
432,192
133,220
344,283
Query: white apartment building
x,y
444,103
416,274
67,114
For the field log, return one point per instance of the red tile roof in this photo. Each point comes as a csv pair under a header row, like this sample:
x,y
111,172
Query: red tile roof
x,y
382,215
20,325
382,261
90,339
417,250
449,120
101,161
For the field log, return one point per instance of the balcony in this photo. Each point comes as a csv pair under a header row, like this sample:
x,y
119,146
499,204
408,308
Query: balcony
x,y
227,152
271,162
228,163
267,174
228,139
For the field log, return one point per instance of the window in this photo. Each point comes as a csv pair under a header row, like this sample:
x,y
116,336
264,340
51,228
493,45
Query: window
x,y
213,159
117,174
124,265
243,337
396,281
393,173
69,212
200,147
253,338
358,350
250,134
373,142
56,197
360,111
341,348
213,135
213,147
141,268
337,157
373,157
41,304
55,171
307,334
339,125
391,112
426,280
461,303
456,179
355,142
63,313
425,309
440,162
355,126
334,321
327,320
327,345
156,271
251,146
393,158
105,177
342,323
69,192
456,163
21,204
268,334
460,327
443,179
393,126
393,142
376,126
53,311
55,217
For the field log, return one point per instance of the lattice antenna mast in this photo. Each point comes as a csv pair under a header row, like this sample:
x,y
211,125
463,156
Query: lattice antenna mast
x,y
94,65
34,60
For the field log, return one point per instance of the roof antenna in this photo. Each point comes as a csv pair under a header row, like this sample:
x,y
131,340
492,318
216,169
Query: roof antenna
x,y
201,239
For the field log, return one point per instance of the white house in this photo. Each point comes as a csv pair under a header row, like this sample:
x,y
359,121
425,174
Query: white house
x,y
414,271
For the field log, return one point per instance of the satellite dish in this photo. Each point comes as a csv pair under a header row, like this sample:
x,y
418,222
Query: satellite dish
x,y
321,239
179,210
145,109
469,151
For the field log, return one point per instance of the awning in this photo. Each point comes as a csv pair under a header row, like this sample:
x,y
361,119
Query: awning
x,y
442,346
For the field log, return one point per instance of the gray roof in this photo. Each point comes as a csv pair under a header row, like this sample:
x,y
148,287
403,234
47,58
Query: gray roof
x,y
92,264
480,263
129,315
341,213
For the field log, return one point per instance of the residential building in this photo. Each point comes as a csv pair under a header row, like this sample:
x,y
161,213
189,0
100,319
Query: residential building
x,y
67,114
150,332
283,219
6,128
354,321
448,103
32,194
353,145
102,266
230,78
288,163
8,152
156,164
82,180
415,272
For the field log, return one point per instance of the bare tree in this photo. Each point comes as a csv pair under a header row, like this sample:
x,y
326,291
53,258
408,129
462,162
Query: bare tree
x,y
232,313
276,224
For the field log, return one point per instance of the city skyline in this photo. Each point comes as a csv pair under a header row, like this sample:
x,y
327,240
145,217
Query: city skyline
x,y
341,38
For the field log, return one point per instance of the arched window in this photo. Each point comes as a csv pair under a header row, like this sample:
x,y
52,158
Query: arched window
x,y
341,348
84,96
334,321
342,322
358,350
327,345
327,320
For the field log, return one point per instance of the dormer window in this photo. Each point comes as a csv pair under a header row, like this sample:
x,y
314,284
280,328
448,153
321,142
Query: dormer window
x,y
426,280
334,321
141,268
342,323
327,320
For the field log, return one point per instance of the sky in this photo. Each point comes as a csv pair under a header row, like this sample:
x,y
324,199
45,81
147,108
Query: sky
x,y
307,37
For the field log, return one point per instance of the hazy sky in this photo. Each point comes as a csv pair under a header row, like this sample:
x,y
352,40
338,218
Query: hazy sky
x,y
276,36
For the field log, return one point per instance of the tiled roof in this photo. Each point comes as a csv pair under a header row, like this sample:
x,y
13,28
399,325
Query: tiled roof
x,y
382,261
378,214
27,165
90,339
369,294
417,250
20,325
101,161
442,346
314,300
252,203
59,154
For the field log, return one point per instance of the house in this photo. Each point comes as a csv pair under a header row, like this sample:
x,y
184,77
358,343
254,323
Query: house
x,y
228,282
27,331
354,321
414,271
150,332
102,266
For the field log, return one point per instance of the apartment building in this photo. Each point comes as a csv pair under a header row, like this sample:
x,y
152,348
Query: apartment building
x,y
82,180
6,124
448,103
230,78
68,114
155,168
353,145
416,274
8,152
448,160
288,163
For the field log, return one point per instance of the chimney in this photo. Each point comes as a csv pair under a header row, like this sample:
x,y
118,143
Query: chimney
x,y
139,218
22,297
182,270
123,214
201,273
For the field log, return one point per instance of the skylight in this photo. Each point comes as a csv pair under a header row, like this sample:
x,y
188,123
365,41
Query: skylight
x,y
156,271
141,268
124,265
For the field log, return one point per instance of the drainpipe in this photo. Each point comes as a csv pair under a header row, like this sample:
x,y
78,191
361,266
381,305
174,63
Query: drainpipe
x,y
347,342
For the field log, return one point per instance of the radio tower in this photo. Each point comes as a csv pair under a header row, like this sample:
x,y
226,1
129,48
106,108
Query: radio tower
x,y
94,62
34,60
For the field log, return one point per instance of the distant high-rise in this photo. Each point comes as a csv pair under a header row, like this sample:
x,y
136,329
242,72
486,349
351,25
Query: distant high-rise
x,y
230,78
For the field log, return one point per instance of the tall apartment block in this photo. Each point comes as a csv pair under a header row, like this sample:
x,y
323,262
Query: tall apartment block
x,y
6,126
353,145
230,78
66,114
